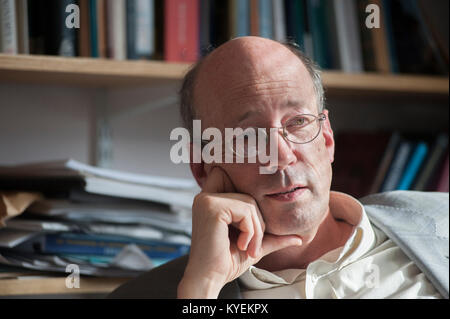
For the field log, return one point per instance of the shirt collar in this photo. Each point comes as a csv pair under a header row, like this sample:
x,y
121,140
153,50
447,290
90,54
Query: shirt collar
x,y
362,239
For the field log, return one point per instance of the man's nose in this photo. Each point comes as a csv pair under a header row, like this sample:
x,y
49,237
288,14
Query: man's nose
x,y
286,155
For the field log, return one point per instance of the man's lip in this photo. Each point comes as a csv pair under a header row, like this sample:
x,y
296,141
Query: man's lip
x,y
285,190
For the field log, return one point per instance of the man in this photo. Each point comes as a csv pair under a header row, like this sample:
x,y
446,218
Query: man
x,y
286,235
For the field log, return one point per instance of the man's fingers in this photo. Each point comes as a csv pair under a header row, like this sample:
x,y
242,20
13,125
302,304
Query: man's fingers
x,y
218,182
273,243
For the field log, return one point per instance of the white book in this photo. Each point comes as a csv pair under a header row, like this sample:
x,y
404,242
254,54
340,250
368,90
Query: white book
x,y
145,27
22,27
116,30
8,27
348,35
279,20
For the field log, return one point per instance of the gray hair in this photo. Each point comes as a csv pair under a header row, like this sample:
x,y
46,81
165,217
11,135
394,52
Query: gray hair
x,y
187,107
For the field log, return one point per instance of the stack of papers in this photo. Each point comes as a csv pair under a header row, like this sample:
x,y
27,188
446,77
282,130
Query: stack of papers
x,y
110,223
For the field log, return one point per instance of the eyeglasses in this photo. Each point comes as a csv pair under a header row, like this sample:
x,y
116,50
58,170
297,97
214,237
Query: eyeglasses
x,y
300,129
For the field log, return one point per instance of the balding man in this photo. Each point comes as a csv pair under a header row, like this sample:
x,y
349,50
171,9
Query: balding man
x,y
285,234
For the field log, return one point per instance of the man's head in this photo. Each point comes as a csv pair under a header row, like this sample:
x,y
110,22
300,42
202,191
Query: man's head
x,y
256,82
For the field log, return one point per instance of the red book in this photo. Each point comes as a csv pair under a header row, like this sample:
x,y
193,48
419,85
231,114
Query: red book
x,y
442,185
181,39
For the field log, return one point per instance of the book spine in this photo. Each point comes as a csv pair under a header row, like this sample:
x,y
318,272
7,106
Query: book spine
x,y
294,21
432,162
84,43
181,30
443,183
380,43
243,18
318,22
8,27
390,36
279,21
397,167
205,26
348,36
265,19
146,28
385,163
22,27
93,28
413,166
116,30
131,29
102,246
101,28
254,18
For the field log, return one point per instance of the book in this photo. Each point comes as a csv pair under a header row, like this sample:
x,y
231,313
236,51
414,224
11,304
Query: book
x,y
8,27
431,164
101,28
116,29
100,245
265,19
388,19
385,162
443,182
59,38
23,37
413,166
295,29
181,30
93,28
380,43
37,26
349,43
279,21
84,37
140,29
205,25
317,13
397,167
254,18
239,18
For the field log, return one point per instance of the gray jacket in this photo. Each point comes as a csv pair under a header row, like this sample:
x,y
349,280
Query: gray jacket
x,y
418,222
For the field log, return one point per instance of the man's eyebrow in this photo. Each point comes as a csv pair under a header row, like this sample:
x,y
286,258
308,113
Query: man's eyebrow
x,y
289,103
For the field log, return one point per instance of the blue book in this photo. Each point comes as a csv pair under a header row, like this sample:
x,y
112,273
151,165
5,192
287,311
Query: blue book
x,y
265,19
413,166
397,167
94,29
319,24
243,18
107,245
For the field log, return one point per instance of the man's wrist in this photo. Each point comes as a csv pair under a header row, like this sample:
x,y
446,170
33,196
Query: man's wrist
x,y
202,288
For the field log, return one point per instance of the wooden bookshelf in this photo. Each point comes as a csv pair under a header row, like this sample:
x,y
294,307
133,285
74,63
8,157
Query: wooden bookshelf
x,y
88,72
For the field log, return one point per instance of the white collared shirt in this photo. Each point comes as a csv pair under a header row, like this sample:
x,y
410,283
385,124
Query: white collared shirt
x,y
369,265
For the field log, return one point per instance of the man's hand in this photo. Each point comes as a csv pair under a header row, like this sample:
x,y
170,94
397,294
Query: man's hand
x,y
227,238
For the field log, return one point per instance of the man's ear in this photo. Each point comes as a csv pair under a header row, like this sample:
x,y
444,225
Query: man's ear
x,y
197,169
328,135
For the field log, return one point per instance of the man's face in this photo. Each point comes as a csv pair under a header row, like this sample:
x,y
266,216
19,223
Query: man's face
x,y
267,92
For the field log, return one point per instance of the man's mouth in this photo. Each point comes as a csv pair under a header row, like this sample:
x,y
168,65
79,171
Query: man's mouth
x,y
288,194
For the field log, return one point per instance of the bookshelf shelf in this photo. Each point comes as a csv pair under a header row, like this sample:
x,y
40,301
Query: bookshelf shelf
x,y
109,73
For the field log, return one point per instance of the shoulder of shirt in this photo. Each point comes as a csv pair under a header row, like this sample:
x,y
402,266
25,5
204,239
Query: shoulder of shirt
x,y
434,205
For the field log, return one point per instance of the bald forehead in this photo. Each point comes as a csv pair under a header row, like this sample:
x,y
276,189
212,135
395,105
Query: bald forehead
x,y
241,67
245,57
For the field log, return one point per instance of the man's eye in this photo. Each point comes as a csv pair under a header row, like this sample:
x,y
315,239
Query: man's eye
x,y
300,121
